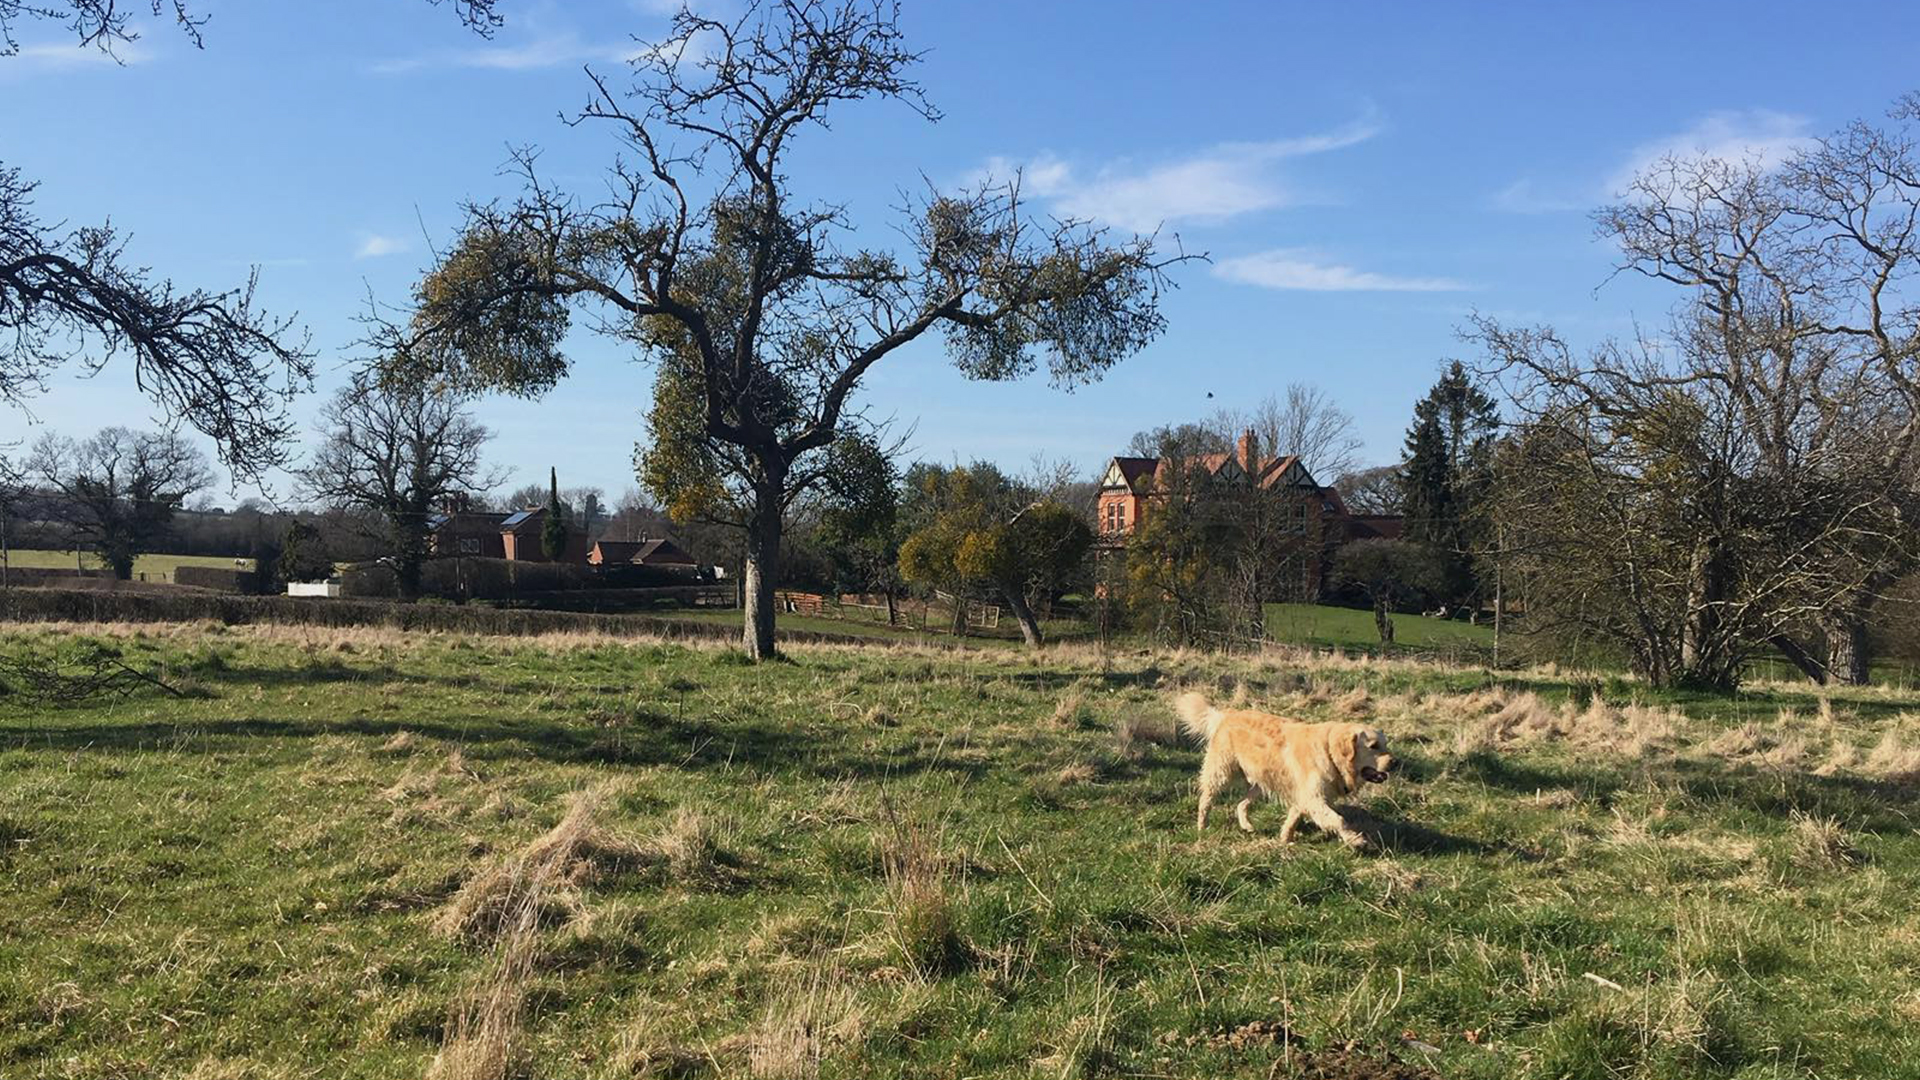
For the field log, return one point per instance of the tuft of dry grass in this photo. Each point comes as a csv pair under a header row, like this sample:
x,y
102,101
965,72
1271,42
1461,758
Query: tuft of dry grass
x,y
1071,710
1821,843
803,1020
484,1032
922,912
1080,772
542,877
1892,759
690,846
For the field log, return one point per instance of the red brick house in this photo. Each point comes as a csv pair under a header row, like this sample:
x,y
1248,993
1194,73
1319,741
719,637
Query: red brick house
x,y
465,532
1132,485
520,538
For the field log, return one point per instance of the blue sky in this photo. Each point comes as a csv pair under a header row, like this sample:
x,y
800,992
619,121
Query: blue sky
x,y
1363,176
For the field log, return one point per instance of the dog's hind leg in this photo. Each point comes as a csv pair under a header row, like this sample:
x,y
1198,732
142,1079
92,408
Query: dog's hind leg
x,y
1215,773
1246,804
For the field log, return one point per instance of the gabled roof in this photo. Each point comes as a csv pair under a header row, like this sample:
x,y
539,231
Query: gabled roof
x,y
515,520
440,519
1136,473
641,552
1129,472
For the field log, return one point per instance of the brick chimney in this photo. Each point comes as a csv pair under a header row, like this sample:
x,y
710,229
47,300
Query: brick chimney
x,y
1247,450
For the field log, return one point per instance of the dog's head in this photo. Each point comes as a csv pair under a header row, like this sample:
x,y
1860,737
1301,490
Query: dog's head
x,y
1363,754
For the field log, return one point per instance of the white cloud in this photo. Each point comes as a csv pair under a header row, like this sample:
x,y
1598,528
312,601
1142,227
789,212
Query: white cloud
x,y
374,245
65,55
551,50
1523,196
1294,269
1758,136
1217,184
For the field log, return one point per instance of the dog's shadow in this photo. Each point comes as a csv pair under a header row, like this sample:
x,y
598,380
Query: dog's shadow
x,y
1407,838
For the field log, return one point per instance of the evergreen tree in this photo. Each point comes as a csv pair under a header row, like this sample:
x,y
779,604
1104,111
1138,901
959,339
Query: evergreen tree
x,y
1449,460
553,534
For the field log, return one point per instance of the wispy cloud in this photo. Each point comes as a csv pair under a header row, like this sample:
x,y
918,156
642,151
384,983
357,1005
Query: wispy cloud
x,y
1295,269
69,55
545,51
1524,196
374,245
1759,136
1209,187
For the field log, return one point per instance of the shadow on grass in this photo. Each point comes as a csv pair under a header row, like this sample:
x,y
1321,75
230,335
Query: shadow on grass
x,y
1864,803
647,738
1410,838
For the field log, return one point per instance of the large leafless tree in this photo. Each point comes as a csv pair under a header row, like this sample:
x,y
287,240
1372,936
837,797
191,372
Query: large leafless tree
x,y
391,458
119,489
1303,420
762,319
72,297
1773,428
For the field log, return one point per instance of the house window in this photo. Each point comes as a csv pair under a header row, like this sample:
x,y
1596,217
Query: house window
x,y
469,545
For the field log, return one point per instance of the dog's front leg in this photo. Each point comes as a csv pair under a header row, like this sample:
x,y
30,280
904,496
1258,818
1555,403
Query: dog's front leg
x,y
1293,821
1330,819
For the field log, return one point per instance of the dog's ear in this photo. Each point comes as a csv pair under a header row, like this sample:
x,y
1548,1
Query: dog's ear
x,y
1343,744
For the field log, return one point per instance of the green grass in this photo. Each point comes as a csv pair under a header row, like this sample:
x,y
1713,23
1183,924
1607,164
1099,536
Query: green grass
x,y
156,567
1345,628
899,863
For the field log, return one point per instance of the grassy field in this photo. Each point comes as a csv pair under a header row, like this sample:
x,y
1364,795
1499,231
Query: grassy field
x,y
156,567
358,854
1311,625
1345,628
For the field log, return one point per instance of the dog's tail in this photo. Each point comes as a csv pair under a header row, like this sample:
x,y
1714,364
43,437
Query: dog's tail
x,y
1199,719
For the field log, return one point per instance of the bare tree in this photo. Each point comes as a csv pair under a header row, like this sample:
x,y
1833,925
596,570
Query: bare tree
x,y
393,456
120,489
762,324
109,24
213,359
1302,420
1802,311
1636,503
1375,491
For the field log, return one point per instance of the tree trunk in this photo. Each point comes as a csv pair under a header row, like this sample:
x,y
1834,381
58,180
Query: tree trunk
x,y
760,574
406,576
1023,614
1383,621
1848,656
1809,664
893,615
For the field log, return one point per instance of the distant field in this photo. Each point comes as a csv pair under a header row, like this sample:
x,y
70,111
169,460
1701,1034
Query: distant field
x,y
156,567
1316,624
1288,624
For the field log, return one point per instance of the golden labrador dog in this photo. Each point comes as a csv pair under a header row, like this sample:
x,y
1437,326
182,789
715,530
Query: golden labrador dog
x,y
1305,765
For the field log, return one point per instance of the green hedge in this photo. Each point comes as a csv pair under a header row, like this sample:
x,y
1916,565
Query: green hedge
x,y
77,605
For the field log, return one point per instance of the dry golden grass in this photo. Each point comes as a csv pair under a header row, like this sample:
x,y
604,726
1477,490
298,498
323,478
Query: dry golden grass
x,y
804,1018
1821,843
540,879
